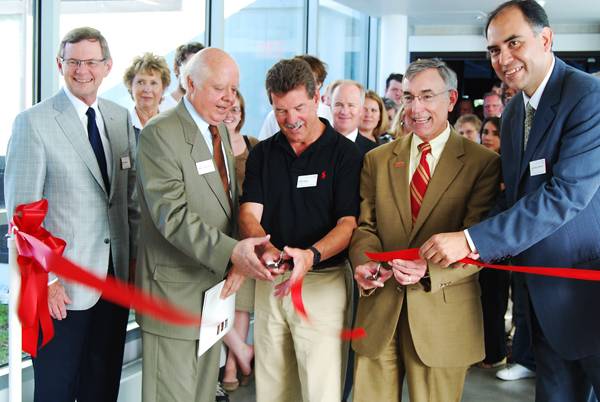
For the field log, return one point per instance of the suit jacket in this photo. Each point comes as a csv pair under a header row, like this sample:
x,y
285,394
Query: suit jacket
x,y
364,144
445,323
49,156
553,219
187,226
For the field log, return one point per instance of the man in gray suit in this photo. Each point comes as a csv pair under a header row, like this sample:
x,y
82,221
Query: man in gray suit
x,y
188,226
77,151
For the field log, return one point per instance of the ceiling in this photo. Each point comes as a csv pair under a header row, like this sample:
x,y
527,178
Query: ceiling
x,y
473,12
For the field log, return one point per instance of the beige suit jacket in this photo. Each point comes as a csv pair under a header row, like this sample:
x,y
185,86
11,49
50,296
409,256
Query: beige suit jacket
x,y
446,323
187,228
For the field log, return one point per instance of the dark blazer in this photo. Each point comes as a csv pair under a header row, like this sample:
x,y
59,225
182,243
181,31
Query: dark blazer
x,y
553,219
364,144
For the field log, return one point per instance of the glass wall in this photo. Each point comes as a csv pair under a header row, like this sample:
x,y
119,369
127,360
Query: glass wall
x,y
257,34
343,41
134,27
16,82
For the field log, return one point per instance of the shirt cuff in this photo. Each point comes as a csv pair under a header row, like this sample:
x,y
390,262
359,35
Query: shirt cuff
x,y
470,241
52,281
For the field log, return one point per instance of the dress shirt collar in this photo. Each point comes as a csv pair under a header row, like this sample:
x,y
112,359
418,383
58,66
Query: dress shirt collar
x,y
200,123
80,106
352,135
437,144
534,101
135,119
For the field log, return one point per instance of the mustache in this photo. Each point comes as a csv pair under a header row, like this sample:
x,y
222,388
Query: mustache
x,y
294,126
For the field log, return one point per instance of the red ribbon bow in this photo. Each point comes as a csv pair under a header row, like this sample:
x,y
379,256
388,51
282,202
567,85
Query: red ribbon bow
x,y
40,253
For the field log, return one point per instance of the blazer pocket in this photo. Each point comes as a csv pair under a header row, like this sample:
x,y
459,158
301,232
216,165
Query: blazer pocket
x,y
182,274
461,292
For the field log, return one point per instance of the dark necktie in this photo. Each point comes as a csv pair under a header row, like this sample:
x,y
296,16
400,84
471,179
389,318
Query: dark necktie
x,y
219,159
529,115
419,181
96,143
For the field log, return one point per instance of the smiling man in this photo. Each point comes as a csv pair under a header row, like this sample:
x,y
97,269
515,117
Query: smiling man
x,y
549,214
77,151
188,226
301,187
423,322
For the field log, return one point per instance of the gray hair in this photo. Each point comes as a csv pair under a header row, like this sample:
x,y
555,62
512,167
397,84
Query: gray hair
x,y
447,74
340,83
84,33
195,69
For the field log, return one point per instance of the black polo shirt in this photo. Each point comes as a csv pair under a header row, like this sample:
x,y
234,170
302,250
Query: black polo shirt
x,y
328,174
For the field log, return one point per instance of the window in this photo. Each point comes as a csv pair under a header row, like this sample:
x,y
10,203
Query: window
x,y
16,24
257,35
342,42
134,27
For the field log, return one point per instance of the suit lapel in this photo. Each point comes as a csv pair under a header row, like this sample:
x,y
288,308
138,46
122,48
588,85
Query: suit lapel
x,y
200,153
399,167
71,126
445,172
544,115
116,141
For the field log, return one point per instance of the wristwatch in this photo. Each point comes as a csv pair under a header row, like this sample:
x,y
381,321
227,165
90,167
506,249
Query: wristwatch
x,y
316,255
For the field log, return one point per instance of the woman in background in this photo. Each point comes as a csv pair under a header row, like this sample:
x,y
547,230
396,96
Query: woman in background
x,y
146,79
240,354
374,120
490,133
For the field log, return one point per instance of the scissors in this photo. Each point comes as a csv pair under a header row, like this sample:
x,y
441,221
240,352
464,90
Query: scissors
x,y
276,265
377,274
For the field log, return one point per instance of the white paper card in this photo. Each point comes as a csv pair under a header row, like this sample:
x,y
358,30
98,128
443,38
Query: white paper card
x,y
309,180
125,163
205,167
537,167
217,317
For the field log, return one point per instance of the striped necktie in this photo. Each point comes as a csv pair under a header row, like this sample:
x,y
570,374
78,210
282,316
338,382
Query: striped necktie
x,y
419,182
529,115
97,147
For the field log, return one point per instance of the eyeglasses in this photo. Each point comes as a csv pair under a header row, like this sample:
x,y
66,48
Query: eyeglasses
x,y
89,63
427,98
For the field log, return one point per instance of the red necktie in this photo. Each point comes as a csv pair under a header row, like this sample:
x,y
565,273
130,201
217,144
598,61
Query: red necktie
x,y
419,182
219,159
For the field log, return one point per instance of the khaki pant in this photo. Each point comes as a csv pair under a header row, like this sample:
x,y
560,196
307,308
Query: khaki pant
x,y
172,371
381,379
298,360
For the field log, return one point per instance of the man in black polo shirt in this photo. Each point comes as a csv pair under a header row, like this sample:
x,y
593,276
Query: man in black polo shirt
x,y
301,187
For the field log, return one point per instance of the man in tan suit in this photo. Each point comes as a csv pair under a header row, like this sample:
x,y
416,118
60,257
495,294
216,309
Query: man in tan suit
x,y
188,226
422,321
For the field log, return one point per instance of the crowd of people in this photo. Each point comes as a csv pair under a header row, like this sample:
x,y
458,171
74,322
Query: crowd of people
x,y
175,197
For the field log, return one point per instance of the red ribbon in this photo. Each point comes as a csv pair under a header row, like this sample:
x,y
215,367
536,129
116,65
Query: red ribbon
x,y
40,253
570,273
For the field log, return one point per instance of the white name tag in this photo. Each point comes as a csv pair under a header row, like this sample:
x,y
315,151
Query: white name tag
x,y
205,167
309,180
125,163
537,167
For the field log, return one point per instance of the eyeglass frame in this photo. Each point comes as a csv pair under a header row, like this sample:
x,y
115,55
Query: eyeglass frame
x,y
77,63
426,101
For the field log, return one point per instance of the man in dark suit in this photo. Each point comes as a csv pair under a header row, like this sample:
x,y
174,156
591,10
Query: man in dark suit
x,y
549,213
347,103
77,151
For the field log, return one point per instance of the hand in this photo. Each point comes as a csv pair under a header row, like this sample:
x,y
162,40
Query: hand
x,y
57,301
246,261
368,270
234,281
302,264
445,248
408,272
273,254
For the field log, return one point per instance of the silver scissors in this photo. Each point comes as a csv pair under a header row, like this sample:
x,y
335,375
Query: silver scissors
x,y
377,273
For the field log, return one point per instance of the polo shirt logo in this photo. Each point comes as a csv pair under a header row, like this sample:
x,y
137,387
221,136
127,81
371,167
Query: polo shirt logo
x,y
323,175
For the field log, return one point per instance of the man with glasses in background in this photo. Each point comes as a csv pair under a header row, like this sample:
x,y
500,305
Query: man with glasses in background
x,y
423,322
77,151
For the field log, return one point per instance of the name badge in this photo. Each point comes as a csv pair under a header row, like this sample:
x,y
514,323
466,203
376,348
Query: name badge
x,y
537,167
309,180
205,167
125,163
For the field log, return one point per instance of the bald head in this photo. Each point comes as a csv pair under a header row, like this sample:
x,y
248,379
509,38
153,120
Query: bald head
x,y
211,79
